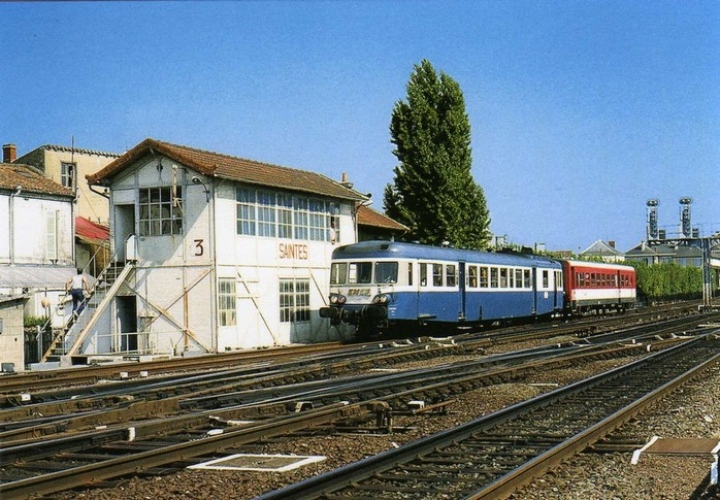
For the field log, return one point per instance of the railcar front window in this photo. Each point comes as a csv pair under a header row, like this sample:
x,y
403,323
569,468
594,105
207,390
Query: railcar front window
x,y
338,273
360,273
386,272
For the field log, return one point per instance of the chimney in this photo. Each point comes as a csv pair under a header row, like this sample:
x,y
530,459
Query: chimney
x,y
611,243
345,181
9,153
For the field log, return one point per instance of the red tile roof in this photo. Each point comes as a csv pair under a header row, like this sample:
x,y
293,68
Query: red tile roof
x,y
91,231
13,175
231,168
369,217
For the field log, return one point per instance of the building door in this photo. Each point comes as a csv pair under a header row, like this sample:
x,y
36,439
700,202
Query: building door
x,y
127,323
124,227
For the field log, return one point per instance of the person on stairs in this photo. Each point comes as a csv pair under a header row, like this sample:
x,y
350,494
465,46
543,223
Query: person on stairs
x,y
77,286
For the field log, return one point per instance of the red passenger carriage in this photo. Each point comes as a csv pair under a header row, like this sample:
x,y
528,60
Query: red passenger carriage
x,y
596,286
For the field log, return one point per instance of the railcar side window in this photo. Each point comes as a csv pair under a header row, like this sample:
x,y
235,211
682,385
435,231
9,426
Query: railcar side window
x,y
423,274
503,277
338,273
410,274
386,272
527,274
484,277
545,279
518,278
450,279
472,276
558,280
360,272
494,277
437,274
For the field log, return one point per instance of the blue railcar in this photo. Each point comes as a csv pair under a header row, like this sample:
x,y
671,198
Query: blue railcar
x,y
379,286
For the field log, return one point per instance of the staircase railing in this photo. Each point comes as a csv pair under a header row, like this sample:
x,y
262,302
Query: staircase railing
x,y
56,346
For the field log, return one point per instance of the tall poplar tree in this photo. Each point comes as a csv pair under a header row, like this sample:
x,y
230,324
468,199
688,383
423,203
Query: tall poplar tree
x,y
433,192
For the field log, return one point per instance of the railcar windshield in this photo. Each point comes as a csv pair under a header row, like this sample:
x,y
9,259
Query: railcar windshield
x,y
386,272
361,273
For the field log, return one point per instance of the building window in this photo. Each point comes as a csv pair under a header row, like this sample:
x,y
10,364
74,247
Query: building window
x,y
301,218
245,211
227,302
160,213
333,223
294,300
317,221
269,214
266,214
67,174
285,216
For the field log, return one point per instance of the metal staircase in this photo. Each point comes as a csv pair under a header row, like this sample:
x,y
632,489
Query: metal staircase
x,y
68,339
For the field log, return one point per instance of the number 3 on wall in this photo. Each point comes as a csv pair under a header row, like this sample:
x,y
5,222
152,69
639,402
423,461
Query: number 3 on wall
x,y
199,250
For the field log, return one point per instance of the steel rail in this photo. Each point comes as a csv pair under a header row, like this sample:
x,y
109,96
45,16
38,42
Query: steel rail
x,y
96,472
331,484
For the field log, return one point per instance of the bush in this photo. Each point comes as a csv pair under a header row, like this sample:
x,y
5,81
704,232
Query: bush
x,y
31,321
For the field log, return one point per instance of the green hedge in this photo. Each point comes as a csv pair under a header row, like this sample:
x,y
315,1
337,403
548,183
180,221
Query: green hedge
x,y
669,280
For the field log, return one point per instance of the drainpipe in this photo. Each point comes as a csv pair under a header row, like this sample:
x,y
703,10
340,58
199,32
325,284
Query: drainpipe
x,y
11,210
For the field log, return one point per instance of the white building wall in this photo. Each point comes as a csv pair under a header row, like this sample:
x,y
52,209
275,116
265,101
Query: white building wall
x,y
40,231
4,228
12,341
176,276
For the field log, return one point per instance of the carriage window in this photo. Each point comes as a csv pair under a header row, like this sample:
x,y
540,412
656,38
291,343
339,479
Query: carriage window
x,y
545,279
484,277
437,274
450,275
472,277
338,273
386,272
528,278
360,272
410,273
503,277
493,277
518,278
511,278
558,280
423,274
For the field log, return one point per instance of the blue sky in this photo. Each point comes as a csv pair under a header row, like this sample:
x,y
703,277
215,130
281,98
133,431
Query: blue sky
x,y
580,110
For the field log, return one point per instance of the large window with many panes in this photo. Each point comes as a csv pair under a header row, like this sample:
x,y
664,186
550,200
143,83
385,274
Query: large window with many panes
x,y
294,300
272,214
161,211
227,302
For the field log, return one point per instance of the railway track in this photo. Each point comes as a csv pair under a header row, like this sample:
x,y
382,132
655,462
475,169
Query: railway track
x,y
271,416
492,456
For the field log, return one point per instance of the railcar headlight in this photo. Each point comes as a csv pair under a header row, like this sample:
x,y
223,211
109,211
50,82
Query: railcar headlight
x,y
336,298
381,299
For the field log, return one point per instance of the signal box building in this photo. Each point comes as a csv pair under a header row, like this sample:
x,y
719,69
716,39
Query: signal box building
x,y
216,253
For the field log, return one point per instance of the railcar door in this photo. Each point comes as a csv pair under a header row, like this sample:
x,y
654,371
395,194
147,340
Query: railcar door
x,y
535,289
461,283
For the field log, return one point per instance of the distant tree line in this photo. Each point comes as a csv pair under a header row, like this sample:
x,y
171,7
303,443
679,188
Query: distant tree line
x,y
669,280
